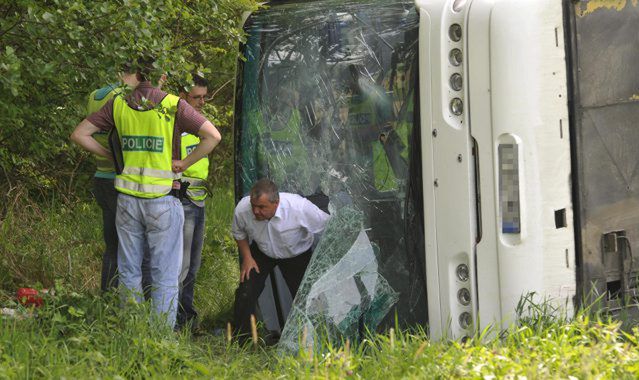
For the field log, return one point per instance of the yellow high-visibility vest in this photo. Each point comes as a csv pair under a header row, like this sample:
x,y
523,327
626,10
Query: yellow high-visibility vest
x,y
97,99
147,140
197,173
365,114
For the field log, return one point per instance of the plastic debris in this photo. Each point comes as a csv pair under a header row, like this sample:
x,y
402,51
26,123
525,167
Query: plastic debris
x,y
8,312
30,296
19,314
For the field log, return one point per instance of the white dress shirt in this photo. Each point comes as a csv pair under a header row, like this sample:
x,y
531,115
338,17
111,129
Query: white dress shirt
x,y
288,233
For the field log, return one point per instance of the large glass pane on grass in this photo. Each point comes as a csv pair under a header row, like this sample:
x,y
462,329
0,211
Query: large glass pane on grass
x,y
343,295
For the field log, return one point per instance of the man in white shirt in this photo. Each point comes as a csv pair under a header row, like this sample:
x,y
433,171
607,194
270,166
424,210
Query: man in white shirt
x,y
272,229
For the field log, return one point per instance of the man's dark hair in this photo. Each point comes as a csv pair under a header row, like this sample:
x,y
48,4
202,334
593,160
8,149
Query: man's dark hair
x,y
128,68
200,81
145,67
265,186
142,67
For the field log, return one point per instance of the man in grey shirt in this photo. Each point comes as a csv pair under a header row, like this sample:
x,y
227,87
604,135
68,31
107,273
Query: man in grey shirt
x,y
271,229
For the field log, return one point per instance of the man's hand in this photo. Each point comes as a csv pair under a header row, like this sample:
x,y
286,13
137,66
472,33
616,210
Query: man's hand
x,y
179,166
209,138
248,264
83,136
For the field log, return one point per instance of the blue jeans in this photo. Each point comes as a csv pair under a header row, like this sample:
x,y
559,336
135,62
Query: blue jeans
x,y
194,220
157,224
107,198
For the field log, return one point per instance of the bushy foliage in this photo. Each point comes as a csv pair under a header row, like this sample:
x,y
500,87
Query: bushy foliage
x,y
54,52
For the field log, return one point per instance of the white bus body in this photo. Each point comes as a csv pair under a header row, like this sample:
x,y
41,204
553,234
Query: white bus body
x,y
525,137
514,94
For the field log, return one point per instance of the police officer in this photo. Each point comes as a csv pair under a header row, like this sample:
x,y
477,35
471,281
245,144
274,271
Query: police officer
x,y
194,210
149,123
370,118
103,184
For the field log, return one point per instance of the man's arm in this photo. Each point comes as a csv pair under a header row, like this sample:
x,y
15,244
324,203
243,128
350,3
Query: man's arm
x,y
209,138
83,136
248,263
313,218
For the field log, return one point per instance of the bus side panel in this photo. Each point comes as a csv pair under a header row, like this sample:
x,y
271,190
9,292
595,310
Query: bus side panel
x,y
449,194
530,148
436,322
478,43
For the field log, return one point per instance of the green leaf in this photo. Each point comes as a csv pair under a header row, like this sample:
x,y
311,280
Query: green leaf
x,y
46,16
75,312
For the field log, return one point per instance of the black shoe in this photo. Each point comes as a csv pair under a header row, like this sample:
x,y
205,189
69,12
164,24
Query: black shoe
x,y
271,338
197,331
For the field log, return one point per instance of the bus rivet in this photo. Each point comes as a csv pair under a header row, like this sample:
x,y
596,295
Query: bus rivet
x,y
434,133
436,183
459,158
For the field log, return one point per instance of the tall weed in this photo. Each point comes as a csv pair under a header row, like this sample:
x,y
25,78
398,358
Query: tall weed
x,y
219,273
40,243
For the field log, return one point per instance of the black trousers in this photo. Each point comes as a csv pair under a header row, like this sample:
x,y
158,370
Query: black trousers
x,y
107,198
248,291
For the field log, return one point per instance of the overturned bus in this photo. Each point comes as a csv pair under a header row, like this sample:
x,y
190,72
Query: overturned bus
x,y
484,147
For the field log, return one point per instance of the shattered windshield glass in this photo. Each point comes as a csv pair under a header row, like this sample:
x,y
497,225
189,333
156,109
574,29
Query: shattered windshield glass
x,y
326,106
343,295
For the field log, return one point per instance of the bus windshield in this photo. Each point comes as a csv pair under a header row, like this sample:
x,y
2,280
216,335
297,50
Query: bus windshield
x,y
326,102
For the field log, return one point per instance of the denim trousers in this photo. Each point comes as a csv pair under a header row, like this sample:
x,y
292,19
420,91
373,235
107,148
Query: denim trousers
x,y
155,225
107,198
194,220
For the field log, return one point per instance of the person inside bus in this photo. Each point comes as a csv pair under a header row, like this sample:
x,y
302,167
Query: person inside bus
x,y
283,143
369,119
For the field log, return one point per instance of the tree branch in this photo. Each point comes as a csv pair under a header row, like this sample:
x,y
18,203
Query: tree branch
x,y
220,88
11,27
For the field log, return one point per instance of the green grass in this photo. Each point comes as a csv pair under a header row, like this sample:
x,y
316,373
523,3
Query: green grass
x,y
219,273
79,334
42,244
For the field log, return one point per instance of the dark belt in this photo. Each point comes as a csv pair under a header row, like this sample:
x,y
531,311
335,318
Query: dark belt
x,y
179,189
